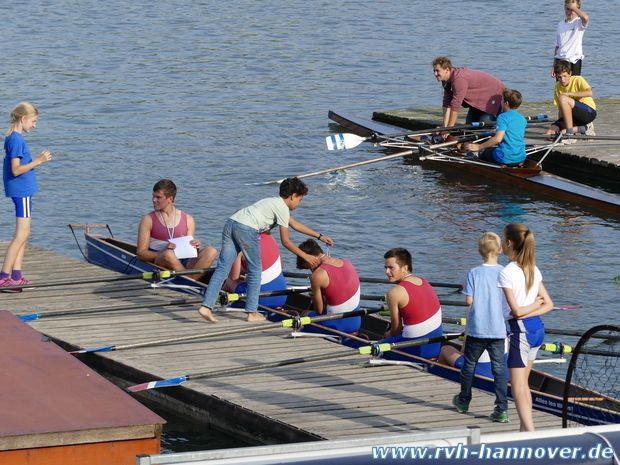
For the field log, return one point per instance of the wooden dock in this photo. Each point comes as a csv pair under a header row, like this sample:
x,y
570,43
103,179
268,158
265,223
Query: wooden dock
x,y
337,398
56,410
594,162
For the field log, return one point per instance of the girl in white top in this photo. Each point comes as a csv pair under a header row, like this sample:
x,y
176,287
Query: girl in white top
x,y
525,300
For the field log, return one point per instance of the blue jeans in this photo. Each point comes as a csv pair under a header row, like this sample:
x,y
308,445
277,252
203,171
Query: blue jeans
x,y
474,347
236,238
474,116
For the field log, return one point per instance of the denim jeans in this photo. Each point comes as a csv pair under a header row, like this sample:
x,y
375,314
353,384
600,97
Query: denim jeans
x,y
474,347
236,238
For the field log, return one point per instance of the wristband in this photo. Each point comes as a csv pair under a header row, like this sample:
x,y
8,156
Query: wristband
x,y
319,236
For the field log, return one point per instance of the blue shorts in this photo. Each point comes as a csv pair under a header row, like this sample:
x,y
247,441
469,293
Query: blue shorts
x,y
23,207
524,344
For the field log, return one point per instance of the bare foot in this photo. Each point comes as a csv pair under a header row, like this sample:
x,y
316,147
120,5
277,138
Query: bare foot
x,y
205,312
255,317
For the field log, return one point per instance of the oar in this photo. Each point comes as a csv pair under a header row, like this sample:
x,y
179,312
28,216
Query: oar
x,y
463,321
571,136
338,168
223,299
377,348
154,275
312,358
306,320
290,274
288,323
116,308
382,298
460,140
555,142
346,141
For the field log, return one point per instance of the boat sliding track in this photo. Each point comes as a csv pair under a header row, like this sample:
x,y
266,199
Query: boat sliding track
x,y
595,366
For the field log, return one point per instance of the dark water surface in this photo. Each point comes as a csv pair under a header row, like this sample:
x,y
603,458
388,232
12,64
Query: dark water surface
x,y
217,94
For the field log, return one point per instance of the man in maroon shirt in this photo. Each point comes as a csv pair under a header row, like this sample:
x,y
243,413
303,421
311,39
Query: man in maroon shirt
x,y
477,90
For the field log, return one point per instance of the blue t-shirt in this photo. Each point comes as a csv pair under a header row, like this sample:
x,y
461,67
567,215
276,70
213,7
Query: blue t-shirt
x,y
512,147
486,317
25,184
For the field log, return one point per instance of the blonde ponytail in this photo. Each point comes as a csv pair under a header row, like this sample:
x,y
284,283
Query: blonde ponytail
x,y
524,246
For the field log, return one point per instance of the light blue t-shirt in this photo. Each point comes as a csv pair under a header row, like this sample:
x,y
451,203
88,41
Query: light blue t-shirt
x,y
264,214
486,318
512,147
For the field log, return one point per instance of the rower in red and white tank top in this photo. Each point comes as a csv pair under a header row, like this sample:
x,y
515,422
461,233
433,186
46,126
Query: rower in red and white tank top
x,y
343,292
161,234
422,314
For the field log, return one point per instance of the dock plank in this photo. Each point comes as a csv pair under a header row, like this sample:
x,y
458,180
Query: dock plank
x,y
336,398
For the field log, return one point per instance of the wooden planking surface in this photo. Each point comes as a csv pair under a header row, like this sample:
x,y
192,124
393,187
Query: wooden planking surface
x,y
333,399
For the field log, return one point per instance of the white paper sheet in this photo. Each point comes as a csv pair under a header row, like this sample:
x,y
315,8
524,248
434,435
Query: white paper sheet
x,y
183,249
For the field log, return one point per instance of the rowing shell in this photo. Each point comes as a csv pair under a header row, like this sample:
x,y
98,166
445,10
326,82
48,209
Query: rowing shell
x,y
530,176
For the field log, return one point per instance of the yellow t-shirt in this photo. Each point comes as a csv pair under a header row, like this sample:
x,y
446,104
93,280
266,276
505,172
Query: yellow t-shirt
x,y
576,84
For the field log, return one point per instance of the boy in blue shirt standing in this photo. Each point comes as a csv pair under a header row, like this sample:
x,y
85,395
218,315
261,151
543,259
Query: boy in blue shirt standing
x,y
486,329
509,134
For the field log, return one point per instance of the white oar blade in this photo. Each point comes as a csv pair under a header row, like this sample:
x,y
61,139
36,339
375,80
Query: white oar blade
x,y
343,141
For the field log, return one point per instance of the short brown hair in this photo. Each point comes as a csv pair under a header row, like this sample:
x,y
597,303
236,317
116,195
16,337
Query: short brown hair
x,y
444,62
513,97
562,66
167,186
311,248
402,256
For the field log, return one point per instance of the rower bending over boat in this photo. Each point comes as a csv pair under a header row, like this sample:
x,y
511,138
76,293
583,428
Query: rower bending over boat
x,y
477,90
240,234
509,134
335,288
165,223
415,311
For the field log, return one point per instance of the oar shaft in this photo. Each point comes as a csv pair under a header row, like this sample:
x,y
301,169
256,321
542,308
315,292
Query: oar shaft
x,y
459,141
281,363
339,168
359,163
172,340
155,274
378,348
115,308
306,320
454,303
571,136
290,274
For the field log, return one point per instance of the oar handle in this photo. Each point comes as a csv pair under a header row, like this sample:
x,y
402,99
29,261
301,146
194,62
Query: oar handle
x,y
460,140
298,322
377,348
556,348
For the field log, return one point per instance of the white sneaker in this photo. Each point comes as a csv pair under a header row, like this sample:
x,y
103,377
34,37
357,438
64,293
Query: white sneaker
x,y
590,129
568,141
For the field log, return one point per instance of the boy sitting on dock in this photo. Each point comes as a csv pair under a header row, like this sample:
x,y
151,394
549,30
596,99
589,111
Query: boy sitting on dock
x,y
486,329
576,107
509,134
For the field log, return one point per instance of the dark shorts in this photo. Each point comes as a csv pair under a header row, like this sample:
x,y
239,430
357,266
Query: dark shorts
x,y
582,115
